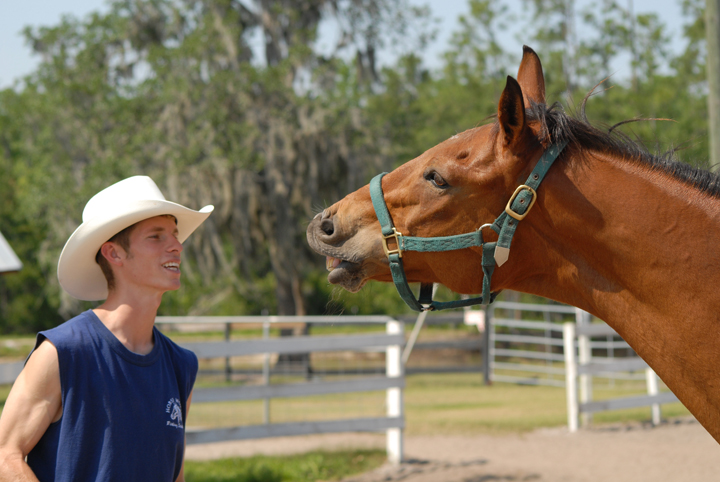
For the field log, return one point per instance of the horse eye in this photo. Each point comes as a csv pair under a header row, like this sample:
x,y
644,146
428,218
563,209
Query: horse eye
x,y
436,179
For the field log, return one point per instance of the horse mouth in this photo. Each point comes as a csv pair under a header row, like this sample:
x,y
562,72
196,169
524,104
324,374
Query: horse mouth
x,y
347,258
345,273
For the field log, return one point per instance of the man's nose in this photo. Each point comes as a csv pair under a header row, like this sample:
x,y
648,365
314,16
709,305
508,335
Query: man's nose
x,y
175,245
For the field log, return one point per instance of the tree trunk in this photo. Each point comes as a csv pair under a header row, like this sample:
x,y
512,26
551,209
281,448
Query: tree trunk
x,y
712,30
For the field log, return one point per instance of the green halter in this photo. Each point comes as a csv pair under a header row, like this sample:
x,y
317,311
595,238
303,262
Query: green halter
x,y
505,225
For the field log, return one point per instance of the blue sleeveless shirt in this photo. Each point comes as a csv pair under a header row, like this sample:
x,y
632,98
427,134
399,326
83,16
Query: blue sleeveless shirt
x,y
123,414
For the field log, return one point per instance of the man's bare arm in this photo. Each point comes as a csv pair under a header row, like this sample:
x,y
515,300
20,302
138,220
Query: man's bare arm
x,y
34,402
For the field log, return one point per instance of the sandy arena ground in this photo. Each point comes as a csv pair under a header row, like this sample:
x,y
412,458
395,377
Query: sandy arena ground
x,y
678,451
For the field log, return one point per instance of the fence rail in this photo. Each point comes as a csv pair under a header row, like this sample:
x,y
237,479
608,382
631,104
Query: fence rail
x,y
261,392
514,350
392,383
10,371
390,342
540,353
292,345
301,428
528,352
583,368
531,350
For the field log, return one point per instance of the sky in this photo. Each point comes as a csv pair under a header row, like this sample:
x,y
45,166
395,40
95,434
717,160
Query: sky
x,y
16,59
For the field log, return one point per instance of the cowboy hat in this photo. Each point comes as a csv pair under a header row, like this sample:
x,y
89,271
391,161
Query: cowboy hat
x,y
107,213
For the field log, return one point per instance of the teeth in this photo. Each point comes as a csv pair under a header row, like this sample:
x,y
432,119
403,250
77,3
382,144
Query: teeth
x,y
332,263
171,264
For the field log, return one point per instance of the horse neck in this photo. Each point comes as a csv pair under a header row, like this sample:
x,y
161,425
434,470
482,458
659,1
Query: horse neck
x,y
637,247
619,230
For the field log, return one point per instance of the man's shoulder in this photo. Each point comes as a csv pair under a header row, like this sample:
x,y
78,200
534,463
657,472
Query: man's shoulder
x,y
68,329
63,337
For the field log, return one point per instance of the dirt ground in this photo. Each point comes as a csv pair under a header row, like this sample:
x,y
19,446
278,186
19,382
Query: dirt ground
x,y
677,451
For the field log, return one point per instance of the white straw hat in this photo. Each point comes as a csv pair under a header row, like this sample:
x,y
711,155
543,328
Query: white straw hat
x,y
107,213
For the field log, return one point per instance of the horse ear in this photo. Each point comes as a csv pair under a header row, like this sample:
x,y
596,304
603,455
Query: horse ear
x,y
531,78
511,112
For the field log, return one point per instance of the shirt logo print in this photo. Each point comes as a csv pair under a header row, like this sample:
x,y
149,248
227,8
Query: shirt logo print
x,y
173,408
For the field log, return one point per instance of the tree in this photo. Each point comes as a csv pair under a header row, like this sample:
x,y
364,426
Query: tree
x,y
712,28
241,104
177,90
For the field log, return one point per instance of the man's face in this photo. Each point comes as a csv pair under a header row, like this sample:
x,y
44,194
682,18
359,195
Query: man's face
x,y
153,261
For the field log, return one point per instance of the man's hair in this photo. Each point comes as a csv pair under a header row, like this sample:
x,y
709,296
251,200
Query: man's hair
x,y
123,240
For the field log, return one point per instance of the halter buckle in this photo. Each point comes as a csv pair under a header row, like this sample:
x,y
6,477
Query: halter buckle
x,y
397,237
516,215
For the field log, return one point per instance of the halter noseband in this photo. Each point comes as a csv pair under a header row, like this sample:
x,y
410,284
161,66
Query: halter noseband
x,y
498,252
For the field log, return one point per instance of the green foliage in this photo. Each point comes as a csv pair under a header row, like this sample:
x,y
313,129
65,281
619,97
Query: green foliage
x,y
175,89
297,468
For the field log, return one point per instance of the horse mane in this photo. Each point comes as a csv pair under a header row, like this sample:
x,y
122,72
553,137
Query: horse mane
x,y
557,126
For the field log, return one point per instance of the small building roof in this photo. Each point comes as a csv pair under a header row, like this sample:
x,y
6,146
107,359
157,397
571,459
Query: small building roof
x,y
8,259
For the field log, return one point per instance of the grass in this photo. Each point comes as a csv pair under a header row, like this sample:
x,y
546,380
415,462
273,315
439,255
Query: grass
x,y
460,404
316,408
311,466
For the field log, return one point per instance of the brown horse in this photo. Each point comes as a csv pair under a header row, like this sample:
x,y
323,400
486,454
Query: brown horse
x,y
629,237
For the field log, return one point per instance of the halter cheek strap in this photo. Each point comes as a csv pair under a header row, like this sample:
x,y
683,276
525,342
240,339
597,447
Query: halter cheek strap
x,y
394,243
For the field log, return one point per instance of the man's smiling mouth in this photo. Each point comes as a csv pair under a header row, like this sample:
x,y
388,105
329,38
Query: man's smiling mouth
x,y
172,266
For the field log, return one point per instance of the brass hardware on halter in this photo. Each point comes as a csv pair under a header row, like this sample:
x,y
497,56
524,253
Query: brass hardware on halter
x,y
397,237
508,208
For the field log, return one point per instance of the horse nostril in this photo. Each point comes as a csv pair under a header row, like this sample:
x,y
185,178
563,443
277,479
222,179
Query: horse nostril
x,y
327,226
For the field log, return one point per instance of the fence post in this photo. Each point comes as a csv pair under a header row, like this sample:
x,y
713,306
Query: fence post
x,y
570,376
394,369
228,368
652,389
584,357
266,374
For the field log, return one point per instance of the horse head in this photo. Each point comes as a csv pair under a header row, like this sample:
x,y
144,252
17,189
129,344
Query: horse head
x,y
455,187
625,235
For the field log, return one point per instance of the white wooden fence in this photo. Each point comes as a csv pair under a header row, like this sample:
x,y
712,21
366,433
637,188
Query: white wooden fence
x,y
561,354
526,351
393,382
10,371
580,369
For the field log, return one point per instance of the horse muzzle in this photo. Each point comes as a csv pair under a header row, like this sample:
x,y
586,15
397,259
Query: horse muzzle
x,y
347,257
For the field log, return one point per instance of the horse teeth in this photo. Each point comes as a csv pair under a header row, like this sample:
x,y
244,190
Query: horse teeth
x,y
332,263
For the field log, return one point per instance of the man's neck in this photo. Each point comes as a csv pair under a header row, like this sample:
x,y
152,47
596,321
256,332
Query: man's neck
x,y
131,320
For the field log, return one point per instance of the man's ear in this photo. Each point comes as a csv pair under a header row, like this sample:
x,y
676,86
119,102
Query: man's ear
x,y
113,253
511,113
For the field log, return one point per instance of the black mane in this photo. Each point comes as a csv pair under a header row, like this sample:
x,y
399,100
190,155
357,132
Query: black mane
x,y
558,126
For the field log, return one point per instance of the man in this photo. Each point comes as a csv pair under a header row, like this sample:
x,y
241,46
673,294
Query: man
x,y
105,395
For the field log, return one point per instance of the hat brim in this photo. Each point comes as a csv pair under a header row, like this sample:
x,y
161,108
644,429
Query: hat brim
x,y
78,272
